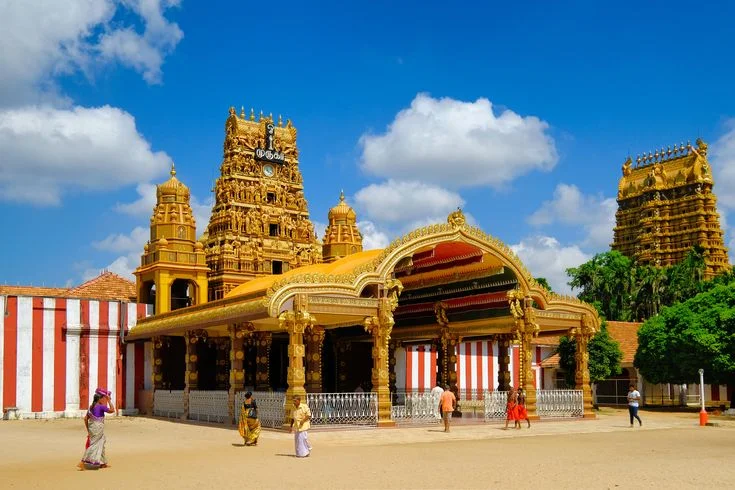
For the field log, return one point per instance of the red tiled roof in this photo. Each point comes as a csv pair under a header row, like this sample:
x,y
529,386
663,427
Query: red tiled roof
x,y
626,333
107,287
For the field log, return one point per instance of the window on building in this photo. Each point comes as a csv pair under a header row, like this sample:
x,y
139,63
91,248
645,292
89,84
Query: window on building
x,y
277,267
273,230
271,197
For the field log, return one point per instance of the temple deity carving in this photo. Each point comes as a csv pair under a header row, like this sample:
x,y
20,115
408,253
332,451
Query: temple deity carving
x,y
260,220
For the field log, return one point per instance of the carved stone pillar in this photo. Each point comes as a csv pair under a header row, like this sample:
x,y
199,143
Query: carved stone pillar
x,y
263,342
191,378
525,329
503,362
392,345
295,323
223,362
314,344
238,333
157,363
528,380
447,358
380,327
582,336
340,364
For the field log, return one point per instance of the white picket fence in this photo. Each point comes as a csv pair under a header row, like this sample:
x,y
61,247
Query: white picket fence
x,y
343,408
168,403
209,406
415,408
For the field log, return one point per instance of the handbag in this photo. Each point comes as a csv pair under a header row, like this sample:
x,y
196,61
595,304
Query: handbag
x,y
252,413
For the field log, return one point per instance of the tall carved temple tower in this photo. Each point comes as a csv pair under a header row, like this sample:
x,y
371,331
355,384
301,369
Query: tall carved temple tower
x,y
341,237
172,272
260,221
666,206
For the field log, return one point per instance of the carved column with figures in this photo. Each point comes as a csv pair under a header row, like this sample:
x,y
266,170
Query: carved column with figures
x,y
157,363
238,333
525,329
263,342
295,323
582,335
380,327
191,379
504,343
314,344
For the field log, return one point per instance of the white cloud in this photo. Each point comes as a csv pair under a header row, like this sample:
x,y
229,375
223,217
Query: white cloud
x,y
405,202
544,256
43,39
48,151
570,207
143,206
455,143
372,237
144,52
202,211
722,158
319,229
130,248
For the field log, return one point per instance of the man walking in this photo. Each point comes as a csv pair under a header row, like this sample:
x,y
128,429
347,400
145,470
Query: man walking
x,y
300,426
634,397
447,405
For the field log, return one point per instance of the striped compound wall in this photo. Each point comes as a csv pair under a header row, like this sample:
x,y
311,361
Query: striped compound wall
x,y
477,367
54,352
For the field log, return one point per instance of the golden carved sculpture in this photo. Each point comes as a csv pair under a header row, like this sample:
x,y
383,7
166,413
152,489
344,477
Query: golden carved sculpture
x,y
666,206
342,237
260,221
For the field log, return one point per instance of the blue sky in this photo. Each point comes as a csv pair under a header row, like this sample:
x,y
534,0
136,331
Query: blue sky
x,y
522,115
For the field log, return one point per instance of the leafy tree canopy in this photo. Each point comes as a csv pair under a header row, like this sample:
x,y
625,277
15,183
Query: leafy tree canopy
x,y
698,333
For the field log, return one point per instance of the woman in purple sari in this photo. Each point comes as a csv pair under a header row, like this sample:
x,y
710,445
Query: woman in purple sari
x,y
94,421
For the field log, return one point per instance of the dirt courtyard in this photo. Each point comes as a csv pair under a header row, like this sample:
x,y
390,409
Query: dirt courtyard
x,y
669,451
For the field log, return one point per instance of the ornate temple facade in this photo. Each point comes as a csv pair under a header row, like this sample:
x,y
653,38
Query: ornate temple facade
x,y
260,220
290,315
666,206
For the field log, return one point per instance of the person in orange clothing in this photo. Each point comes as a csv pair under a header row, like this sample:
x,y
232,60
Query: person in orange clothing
x,y
447,405
512,409
522,413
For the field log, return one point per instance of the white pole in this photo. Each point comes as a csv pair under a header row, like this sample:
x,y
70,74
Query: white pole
x,y
702,412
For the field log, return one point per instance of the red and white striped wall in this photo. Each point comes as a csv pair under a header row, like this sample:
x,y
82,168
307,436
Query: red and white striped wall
x,y
55,352
477,366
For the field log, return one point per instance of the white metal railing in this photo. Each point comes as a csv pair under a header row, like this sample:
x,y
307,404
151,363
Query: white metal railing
x,y
271,407
496,405
212,406
168,403
559,403
343,408
415,408
471,394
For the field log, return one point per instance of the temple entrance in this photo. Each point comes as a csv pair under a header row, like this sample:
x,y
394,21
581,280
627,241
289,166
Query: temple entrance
x,y
278,368
173,365
207,365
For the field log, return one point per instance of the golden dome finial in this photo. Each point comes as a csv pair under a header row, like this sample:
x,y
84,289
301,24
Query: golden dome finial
x,y
173,169
280,121
342,195
252,114
242,112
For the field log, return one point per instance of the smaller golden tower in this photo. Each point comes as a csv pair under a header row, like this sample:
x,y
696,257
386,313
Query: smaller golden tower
x,y
173,271
342,237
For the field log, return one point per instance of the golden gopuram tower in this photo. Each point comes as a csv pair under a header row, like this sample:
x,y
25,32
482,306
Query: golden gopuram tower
x,y
666,206
260,221
172,272
342,237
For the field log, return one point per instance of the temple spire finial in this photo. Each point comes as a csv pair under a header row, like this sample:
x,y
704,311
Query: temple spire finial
x,y
252,114
341,195
173,169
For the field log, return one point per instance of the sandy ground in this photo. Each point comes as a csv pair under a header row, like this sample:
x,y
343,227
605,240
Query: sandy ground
x,y
669,451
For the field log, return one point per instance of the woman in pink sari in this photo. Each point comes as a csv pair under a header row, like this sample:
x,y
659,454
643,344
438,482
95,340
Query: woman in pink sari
x,y
94,421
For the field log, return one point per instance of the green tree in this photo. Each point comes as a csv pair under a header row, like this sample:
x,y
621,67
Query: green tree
x,y
543,283
604,356
606,279
698,333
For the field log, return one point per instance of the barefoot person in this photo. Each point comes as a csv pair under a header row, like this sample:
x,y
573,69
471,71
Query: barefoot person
x,y
300,425
94,421
521,409
447,404
249,425
633,398
511,408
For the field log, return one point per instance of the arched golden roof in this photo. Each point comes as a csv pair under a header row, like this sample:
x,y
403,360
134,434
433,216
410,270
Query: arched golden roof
x,y
342,211
342,266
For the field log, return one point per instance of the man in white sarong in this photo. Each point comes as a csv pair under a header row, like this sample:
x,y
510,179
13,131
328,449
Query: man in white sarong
x,y
300,426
